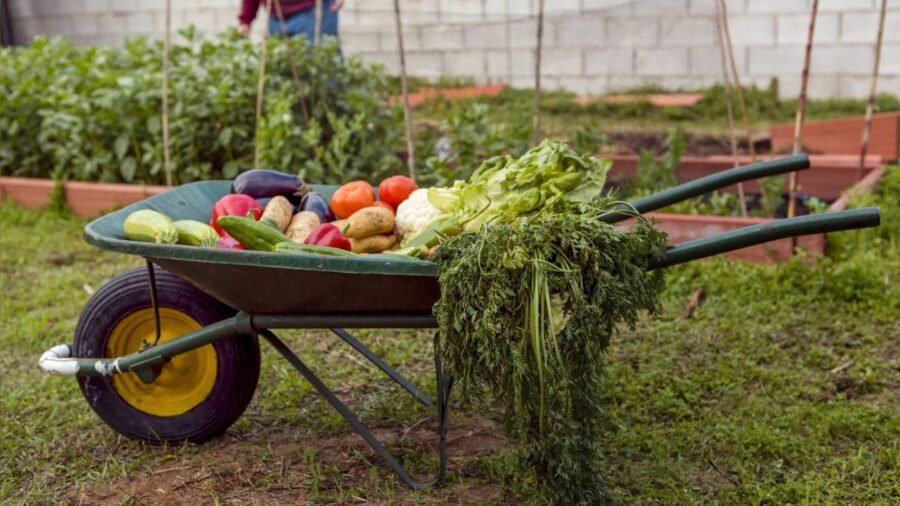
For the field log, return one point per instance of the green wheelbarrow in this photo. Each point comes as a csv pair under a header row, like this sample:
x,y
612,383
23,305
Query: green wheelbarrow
x,y
170,352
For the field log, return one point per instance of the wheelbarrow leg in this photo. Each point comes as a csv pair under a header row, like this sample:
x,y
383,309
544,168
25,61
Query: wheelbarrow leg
x,y
390,371
324,391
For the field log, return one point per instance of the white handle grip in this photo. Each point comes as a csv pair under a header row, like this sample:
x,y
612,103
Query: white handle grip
x,y
58,360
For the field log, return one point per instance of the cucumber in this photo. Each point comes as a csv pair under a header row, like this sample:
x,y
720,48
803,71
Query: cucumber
x,y
252,234
310,249
194,233
270,222
147,225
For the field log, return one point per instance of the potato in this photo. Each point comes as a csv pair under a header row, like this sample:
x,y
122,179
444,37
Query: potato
x,y
279,210
369,221
301,225
373,243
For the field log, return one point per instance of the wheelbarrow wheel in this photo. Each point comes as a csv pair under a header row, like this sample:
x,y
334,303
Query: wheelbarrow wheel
x,y
196,395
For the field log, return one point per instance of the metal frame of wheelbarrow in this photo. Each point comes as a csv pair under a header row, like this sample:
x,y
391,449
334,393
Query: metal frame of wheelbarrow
x,y
144,362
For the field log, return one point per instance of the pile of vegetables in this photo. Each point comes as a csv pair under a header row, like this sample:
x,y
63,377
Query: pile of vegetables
x,y
533,283
272,211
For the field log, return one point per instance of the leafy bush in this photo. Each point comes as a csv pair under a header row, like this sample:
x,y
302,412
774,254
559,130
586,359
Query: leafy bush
x,y
93,114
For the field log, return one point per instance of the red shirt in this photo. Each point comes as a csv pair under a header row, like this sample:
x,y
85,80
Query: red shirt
x,y
288,8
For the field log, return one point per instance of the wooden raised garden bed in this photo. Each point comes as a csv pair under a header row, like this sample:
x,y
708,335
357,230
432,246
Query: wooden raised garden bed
x,y
86,200
843,136
829,179
418,98
656,99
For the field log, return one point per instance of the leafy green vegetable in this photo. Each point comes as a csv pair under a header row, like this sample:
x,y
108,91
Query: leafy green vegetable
x,y
526,312
548,178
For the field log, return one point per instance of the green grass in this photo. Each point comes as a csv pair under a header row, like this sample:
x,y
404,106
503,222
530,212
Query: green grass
x,y
737,405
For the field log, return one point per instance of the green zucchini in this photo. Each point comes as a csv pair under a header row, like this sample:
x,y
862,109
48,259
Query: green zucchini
x,y
311,249
147,225
194,233
252,234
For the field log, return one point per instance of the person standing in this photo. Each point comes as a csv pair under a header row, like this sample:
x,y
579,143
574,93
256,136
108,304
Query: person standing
x,y
299,17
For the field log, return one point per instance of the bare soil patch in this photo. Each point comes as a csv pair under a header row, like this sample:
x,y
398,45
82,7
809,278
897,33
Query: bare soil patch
x,y
339,468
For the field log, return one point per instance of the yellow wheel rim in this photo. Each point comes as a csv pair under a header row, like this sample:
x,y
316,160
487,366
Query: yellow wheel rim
x,y
183,382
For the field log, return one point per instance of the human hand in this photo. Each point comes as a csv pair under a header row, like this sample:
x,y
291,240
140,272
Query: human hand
x,y
243,29
336,6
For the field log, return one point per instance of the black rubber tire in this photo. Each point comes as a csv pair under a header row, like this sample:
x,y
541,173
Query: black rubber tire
x,y
237,359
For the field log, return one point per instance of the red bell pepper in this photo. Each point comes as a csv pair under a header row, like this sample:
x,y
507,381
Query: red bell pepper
x,y
234,204
327,234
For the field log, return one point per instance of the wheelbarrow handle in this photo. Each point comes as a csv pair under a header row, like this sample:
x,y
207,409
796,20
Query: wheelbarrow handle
x,y
712,182
769,231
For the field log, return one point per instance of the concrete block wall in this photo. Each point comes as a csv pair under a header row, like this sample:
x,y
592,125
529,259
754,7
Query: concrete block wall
x,y
590,46
110,22
598,46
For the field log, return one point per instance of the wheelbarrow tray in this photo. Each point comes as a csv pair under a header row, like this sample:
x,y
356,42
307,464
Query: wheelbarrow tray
x,y
266,283
272,283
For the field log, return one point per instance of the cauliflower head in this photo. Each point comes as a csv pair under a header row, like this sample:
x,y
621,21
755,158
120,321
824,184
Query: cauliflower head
x,y
415,213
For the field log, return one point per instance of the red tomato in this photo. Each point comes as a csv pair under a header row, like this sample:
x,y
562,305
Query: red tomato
x,y
385,205
351,198
396,189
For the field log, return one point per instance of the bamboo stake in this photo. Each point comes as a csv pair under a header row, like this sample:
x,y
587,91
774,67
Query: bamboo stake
x,y
737,80
167,158
291,62
507,32
407,112
801,112
870,105
318,32
726,86
260,88
537,75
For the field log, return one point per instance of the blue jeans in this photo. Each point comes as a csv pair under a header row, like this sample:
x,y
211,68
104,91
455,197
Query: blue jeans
x,y
304,23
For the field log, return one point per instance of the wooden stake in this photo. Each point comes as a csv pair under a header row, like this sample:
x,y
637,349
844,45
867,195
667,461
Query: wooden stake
x,y
870,105
726,87
260,89
801,112
737,80
507,32
318,32
167,158
537,75
291,62
407,112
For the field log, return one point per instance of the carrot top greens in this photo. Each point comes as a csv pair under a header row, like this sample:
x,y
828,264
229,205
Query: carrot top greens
x,y
527,310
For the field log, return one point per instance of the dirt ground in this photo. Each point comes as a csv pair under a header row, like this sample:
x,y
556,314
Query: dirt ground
x,y
278,468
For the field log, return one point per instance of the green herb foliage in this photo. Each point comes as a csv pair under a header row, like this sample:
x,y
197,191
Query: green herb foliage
x,y
526,312
94,114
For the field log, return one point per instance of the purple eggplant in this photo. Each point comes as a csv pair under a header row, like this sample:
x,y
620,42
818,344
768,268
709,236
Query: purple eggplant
x,y
314,202
262,183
